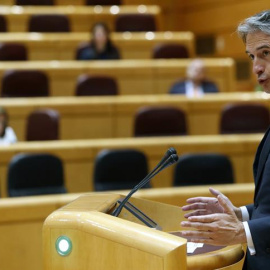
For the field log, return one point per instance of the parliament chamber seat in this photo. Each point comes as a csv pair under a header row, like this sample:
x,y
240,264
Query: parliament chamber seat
x,y
24,83
170,50
49,23
135,23
35,174
13,52
160,121
118,169
42,125
3,24
98,85
203,169
244,118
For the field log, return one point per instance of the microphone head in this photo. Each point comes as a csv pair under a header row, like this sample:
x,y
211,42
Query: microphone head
x,y
173,159
171,151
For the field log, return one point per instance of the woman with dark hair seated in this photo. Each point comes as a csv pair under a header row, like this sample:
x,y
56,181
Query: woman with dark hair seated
x,y
7,134
101,47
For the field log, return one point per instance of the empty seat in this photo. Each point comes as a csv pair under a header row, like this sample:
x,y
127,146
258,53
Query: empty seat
x,y
119,169
12,52
25,83
171,50
42,125
203,169
160,121
103,2
244,118
96,86
52,23
35,174
34,2
135,23
3,24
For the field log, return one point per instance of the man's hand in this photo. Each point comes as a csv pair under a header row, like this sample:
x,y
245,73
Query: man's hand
x,y
209,205
219,224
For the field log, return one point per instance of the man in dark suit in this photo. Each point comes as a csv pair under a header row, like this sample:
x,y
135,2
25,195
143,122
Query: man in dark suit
x,y
217,220
196,83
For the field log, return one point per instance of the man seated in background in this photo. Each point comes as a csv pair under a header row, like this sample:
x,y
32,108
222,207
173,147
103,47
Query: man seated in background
x,y
7,134
196,84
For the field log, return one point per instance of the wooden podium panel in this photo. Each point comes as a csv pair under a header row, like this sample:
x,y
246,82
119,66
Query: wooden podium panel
x,y
98,240
63,46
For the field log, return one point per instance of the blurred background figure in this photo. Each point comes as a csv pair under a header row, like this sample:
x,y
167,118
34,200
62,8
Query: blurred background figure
x,y
101,47
7,135
196,84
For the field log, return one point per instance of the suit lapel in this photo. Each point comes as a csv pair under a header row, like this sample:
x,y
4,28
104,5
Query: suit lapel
x,y
262,159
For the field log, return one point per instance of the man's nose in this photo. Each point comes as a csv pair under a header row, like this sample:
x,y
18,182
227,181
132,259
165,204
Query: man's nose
x,y
258,67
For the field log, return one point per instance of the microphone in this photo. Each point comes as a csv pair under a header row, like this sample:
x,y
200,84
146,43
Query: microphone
x,y
169,158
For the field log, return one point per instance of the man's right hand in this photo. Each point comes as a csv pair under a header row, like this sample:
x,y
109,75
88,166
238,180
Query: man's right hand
x,y
209,205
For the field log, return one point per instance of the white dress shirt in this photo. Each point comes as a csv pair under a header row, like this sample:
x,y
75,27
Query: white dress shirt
x,y
9,137
245,218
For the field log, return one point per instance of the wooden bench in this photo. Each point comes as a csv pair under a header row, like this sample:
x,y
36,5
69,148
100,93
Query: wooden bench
x,y
81,17
79,156
113,117
152,76
63,46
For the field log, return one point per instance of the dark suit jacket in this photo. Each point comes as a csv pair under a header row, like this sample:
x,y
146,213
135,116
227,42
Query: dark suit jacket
x,y
180,87
259,212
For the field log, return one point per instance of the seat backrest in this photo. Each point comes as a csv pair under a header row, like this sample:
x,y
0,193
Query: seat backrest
x,y
203,169
244,118
34,2
3,24
160,121
119,169
103,2
13,52
42,125
96,86
49,23
25,83
35,174
170,50
135,23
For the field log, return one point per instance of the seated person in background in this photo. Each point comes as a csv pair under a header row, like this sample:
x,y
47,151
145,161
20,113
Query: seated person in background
x,y
196,83
7,134
101,47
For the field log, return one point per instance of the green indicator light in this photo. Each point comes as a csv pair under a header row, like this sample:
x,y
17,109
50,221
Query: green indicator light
x,y
63,245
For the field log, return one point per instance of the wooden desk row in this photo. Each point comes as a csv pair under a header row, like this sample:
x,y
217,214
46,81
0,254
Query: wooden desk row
x,y
113,117
21,219
81,17
154,76
79,156
63,46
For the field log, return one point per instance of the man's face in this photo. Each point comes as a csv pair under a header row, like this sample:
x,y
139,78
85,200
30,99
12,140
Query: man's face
x,y
258,49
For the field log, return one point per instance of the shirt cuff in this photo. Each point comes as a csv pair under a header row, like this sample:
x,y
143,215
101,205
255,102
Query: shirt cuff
x,y
250,244
245,214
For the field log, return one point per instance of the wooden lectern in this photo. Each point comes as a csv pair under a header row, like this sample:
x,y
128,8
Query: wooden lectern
x,y
84,236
